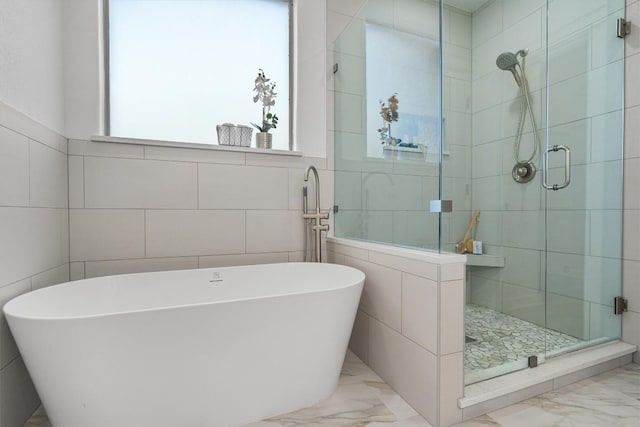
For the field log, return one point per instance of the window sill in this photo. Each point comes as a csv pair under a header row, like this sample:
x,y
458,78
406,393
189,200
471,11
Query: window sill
x,y
193,145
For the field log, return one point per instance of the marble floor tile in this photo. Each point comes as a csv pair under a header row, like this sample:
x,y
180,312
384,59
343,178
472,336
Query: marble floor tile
x,y
606,400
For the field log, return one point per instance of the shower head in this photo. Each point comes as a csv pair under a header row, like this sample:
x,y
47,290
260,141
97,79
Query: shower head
x,y
507,61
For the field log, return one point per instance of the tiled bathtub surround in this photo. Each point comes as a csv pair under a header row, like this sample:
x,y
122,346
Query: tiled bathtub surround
x,y
34,247
409,327
137,208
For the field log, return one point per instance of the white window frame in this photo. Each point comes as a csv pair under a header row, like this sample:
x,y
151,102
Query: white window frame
x,y
107,94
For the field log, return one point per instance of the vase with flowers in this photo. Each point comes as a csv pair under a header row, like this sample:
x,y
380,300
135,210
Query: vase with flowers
x,y
265,93
389,113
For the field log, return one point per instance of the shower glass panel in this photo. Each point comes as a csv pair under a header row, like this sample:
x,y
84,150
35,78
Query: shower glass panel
x,y
584,220
546,82
387,124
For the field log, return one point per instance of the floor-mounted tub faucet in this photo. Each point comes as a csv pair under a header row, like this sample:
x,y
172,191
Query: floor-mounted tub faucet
x,y
315,218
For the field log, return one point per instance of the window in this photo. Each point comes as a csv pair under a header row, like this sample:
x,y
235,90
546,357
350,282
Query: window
x,y
178,68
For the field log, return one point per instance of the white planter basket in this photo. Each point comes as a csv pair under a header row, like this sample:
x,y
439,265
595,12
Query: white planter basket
x,y
229,134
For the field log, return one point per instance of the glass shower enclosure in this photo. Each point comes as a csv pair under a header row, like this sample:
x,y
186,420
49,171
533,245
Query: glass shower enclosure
x,y
508,107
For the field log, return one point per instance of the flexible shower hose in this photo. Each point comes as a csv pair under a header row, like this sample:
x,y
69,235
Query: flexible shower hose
x,y
525,105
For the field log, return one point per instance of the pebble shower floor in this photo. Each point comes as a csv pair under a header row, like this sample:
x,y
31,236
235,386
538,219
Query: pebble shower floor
x,y
501,343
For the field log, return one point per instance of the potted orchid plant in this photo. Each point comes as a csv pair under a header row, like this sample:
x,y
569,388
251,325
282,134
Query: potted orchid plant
x,y
265,93
389,113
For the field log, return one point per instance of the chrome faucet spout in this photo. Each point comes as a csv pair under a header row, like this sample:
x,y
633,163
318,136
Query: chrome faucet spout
x,y
317,187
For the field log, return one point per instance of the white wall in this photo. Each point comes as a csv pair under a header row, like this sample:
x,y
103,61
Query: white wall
x,y
31,60
34,248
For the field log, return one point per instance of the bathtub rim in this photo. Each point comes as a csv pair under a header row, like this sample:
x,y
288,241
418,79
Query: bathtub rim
x,y
30,294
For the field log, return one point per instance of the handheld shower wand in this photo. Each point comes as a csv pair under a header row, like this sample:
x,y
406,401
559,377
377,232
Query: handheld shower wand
x,y
507,61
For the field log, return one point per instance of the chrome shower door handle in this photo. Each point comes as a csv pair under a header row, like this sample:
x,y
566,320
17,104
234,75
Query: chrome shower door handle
x,y
567,168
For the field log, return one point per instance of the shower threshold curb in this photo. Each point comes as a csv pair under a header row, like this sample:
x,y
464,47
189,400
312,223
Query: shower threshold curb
x,y
508,386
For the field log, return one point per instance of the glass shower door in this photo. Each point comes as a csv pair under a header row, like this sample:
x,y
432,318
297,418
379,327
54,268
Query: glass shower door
x,y
584,153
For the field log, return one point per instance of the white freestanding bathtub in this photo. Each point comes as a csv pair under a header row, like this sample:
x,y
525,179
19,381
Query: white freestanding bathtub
x,y
213,347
